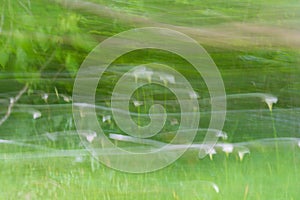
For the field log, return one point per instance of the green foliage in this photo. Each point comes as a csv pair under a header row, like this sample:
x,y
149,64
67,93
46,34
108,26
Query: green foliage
x,y
36,41
4,57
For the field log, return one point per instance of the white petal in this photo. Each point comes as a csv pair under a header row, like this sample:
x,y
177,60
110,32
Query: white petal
x,y
242,153
211,152
142,72
167,78
193,95
137,103
227,148
174,121
36,114
11,100
270,101
222,135
45,96
66,98
106,118
90,137
216,188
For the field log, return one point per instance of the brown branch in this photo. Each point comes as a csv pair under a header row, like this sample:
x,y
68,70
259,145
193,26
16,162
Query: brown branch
x,y
12,102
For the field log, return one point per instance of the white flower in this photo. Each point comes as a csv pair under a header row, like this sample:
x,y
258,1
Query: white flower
x,y
90,137
221,134
142,72
66,98
216,188
45,97
193,95
36,114
106,118
11,100
270,101
211,152
137,103
174,121
167,78
227,148
242,152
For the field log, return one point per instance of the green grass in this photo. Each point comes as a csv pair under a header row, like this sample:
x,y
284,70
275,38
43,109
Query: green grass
x,y
258,176
268,172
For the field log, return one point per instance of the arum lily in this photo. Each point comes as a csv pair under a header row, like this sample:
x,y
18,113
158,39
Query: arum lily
x,y
174,121
211,152
90,136
137,103
227,148
242,151
193,95
142,72
270,101
45,97
167,78
36,114
106,118
66,98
